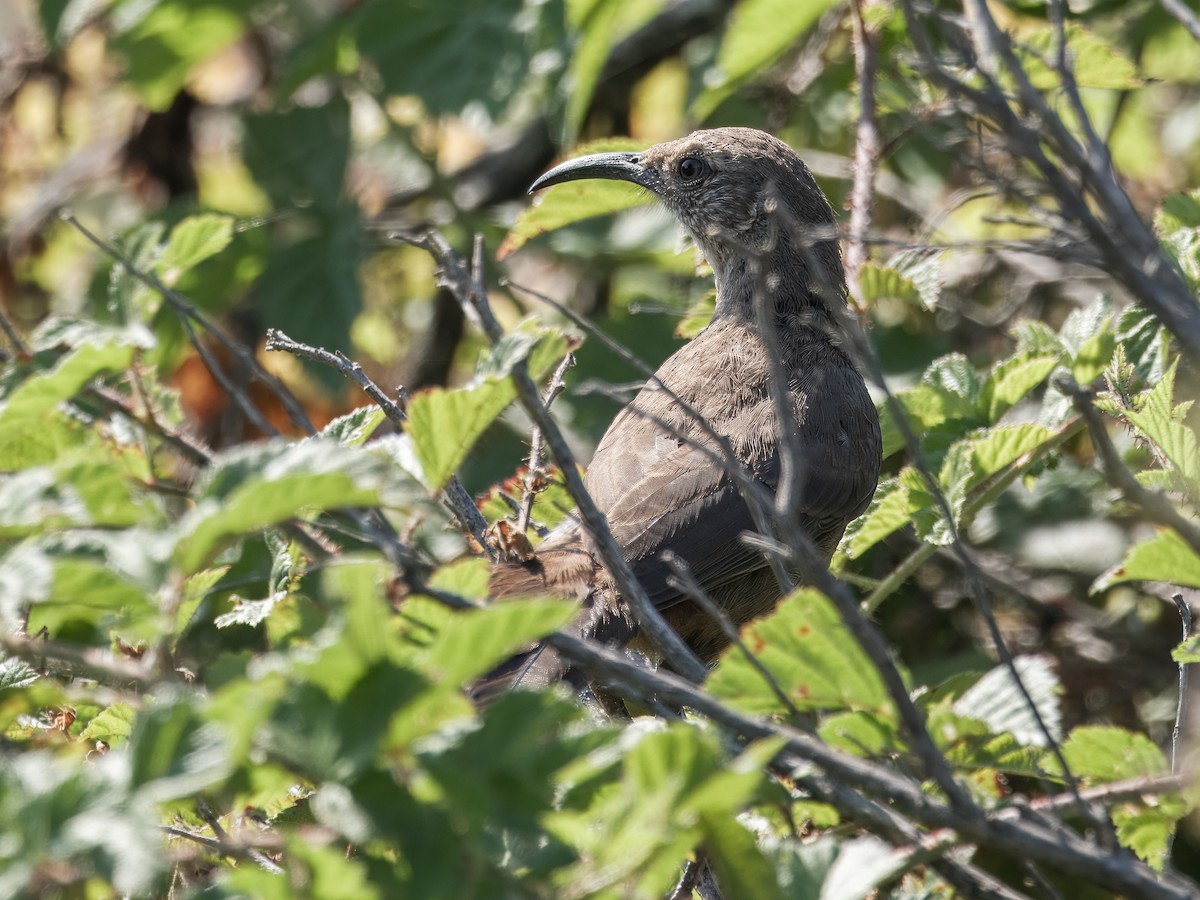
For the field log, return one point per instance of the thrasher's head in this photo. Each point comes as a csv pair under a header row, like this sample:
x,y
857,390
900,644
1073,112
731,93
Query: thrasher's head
x,y
726,186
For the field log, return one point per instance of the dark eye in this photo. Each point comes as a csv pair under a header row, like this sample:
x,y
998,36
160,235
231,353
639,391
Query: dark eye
x,y
690,168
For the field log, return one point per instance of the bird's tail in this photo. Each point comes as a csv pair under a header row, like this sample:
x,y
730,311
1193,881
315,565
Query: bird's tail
x,y
567,572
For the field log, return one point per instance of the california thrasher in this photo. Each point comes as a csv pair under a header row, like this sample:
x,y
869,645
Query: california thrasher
x,y
768,232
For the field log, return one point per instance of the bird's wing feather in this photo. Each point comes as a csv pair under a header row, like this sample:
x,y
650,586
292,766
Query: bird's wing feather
x,y
663,493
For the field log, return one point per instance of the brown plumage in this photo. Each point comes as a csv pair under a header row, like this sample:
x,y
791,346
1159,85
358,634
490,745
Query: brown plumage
x,y
750,203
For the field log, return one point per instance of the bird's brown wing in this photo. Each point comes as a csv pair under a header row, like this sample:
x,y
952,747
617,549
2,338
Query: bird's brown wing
x,y
687,504
662,493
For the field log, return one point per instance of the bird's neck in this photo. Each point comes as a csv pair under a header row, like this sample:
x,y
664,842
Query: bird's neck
x,y
806,286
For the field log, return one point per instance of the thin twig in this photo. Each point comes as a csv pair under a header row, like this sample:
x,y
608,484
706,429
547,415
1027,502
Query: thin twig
x,y
686,583
1115,792
1184,16
73,660
456,495
14,336
188,313
534,471
1185,618
186,445
472,294
866,148
225,847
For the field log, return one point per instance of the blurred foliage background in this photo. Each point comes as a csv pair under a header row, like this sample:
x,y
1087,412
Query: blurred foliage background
x,y
258,154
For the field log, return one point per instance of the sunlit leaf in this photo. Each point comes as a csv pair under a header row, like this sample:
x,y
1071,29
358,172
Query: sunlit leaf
x,y
445,424
168,38
564,204
113,725
1095,63
1099,754
814,660
1164,557
1010,381
996,700
475,642
758,34
264,484
192,241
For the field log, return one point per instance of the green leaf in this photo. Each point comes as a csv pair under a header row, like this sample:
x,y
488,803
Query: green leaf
x,y
41,440
1179,229
192,241
450,53
758,34
173,752
445,424
697,317
998,448
329,872
1010,381
40,393
512,755
863,864
252,487
76,818
815,661
1094,355
803,867
599,23
996,701
1161,420
884,283
1164,557
631,833
741,868
473,643
301,155
890,510
113,725
860,733
1188,651
86,592
1099,754
128,298
355,427
311,287
1147,830
466,577
168,38
16,673
1095,62
947,399
564,204
983,752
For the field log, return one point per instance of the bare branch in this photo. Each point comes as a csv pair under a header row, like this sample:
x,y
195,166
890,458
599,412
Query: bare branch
x,y
457,497
471,294
866,148
188,314
62,659
534,472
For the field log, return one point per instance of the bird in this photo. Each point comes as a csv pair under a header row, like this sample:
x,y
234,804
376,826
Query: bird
x,y
758,217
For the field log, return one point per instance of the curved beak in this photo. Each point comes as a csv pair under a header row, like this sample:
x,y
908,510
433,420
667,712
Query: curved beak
x,y
612,166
